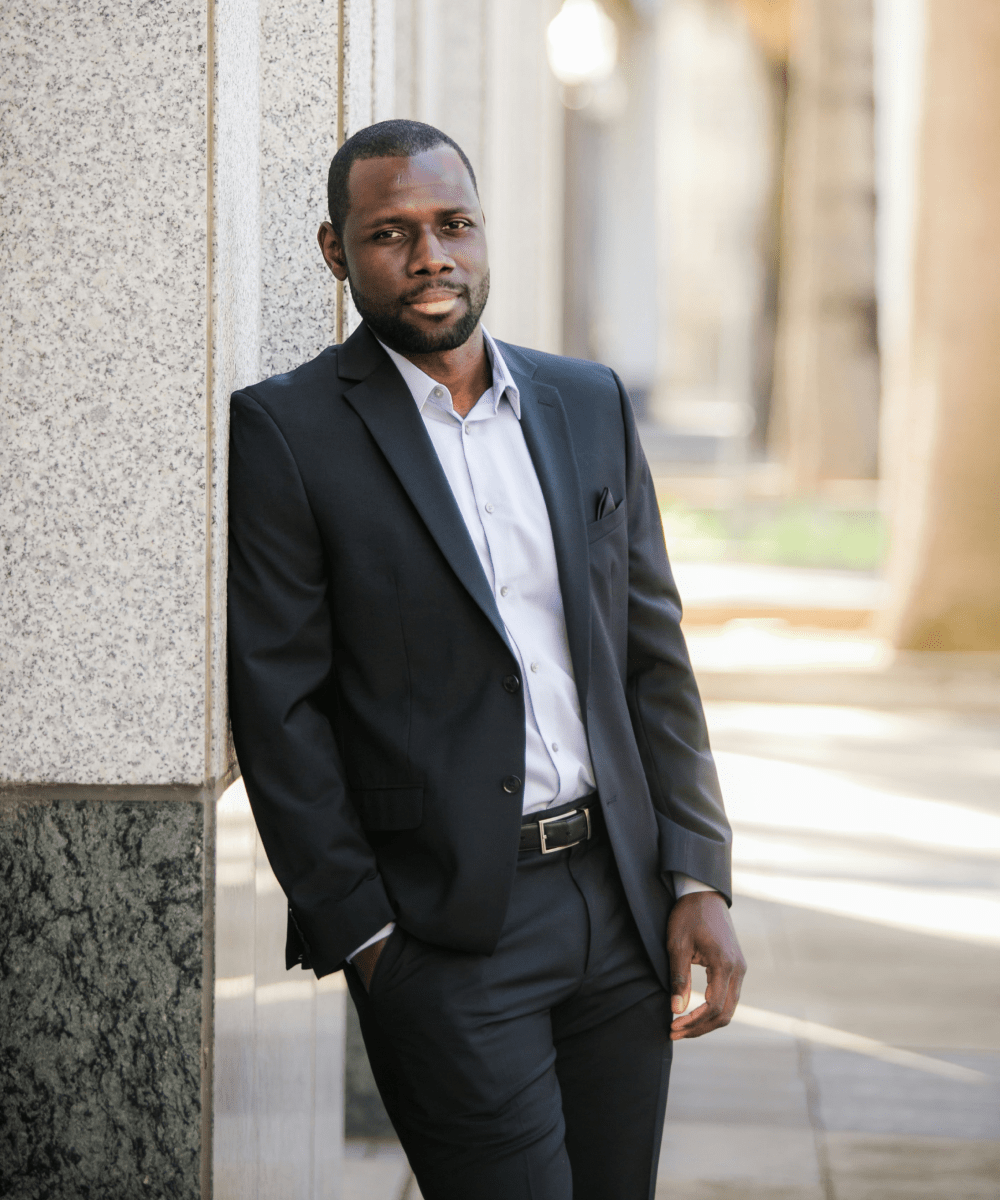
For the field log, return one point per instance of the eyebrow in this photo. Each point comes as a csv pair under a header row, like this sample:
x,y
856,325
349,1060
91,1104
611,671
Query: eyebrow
x,y
402,218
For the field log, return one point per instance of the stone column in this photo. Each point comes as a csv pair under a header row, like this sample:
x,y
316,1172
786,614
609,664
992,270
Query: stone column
x,y
945,565
899,59
163,175
825,411
714,152
617,307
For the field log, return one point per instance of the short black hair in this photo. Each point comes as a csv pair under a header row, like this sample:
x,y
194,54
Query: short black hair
x,y
386,139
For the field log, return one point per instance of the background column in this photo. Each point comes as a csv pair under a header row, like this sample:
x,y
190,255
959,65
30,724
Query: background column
x,y
945,565
825,416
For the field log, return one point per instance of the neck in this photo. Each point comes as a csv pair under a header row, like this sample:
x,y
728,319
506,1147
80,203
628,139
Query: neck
x,y
464,371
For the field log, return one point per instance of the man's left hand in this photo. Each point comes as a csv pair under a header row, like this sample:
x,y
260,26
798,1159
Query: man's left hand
x,y
700,931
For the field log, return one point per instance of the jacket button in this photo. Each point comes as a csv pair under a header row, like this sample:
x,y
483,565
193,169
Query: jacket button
x,y
512,785
511,683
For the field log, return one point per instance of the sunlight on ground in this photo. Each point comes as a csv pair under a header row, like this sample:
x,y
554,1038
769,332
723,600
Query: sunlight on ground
x,y
811,720
768,644
964,915
729,583
841,1039
781,795
820,838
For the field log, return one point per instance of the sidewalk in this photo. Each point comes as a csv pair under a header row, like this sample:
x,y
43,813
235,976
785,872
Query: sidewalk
x,y
864,789
867,870
715,592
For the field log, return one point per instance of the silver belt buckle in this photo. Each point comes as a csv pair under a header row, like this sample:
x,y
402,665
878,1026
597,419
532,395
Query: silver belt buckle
x,y
543,821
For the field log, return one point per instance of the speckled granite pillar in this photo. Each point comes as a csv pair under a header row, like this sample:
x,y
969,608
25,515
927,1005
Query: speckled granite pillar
x,y
162,177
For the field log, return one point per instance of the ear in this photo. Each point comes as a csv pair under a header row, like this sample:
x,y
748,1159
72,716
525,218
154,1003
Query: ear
x,y
332,250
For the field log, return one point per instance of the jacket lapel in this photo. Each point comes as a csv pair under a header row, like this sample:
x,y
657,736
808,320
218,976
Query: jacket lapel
x,y
546,431
383,401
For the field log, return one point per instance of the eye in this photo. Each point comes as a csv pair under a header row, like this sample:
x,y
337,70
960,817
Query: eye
x,y
458,223
385,235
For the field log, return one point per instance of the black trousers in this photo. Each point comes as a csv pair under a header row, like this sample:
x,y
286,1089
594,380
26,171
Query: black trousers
x,y
540,1071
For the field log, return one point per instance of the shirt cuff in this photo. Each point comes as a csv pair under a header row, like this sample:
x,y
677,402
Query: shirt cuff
x,y
377,937
684,885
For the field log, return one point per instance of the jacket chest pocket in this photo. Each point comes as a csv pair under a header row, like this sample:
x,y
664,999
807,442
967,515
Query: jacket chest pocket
x,y
597,531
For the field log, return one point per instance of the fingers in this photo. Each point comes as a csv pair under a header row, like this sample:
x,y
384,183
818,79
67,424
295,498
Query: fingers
x,y
709,1015
714,1013
680,956
703,933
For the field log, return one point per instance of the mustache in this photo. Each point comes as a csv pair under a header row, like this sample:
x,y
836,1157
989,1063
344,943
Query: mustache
x,y
411,297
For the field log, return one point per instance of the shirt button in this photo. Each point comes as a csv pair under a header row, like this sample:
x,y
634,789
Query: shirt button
x,y
534,667
512,785
489,507
555,745
504,590
467,428
511,683
437,392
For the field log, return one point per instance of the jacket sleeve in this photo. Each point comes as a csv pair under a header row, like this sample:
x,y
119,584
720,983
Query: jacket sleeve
x,y
280,656
664,704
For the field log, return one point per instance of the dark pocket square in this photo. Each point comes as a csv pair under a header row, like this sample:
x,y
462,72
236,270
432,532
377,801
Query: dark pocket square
x,y
606,505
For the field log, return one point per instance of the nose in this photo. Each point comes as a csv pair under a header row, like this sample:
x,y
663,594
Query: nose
x,y
429,256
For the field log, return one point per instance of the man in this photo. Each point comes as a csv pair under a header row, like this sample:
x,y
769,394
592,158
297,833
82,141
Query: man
x,y
464,710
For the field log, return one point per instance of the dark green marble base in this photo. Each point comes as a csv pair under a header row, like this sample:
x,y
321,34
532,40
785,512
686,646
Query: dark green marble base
x,y
101,963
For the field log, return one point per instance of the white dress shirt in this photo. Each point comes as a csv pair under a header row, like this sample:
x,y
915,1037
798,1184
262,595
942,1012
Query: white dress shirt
x,y
486,461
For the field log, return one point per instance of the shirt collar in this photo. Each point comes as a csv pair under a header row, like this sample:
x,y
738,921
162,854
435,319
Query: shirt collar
x,y
422,386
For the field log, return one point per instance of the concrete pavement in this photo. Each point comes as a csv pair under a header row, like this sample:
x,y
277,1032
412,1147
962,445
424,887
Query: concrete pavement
x,y
766,1115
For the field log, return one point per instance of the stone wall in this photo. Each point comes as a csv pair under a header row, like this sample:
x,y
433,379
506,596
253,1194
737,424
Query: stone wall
x,y
109,425
102,903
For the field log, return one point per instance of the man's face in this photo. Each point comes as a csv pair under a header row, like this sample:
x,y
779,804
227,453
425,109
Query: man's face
x,y
414,250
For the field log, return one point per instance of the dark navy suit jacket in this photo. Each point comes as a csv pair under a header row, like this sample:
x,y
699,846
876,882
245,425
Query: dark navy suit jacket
x,y
369,672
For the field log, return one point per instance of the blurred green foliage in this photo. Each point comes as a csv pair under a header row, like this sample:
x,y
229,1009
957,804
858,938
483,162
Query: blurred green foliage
x,y
796,534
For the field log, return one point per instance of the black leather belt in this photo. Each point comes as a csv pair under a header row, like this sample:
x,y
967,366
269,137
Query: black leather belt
x,y
550,834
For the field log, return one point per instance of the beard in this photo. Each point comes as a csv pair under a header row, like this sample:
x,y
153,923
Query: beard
x,y
388,324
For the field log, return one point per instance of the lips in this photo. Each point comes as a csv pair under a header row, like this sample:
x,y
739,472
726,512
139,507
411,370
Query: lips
x,y
435,304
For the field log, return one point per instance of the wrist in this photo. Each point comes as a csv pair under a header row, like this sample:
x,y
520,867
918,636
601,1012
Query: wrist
x,y
684,885
375,937
706,894
365,961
